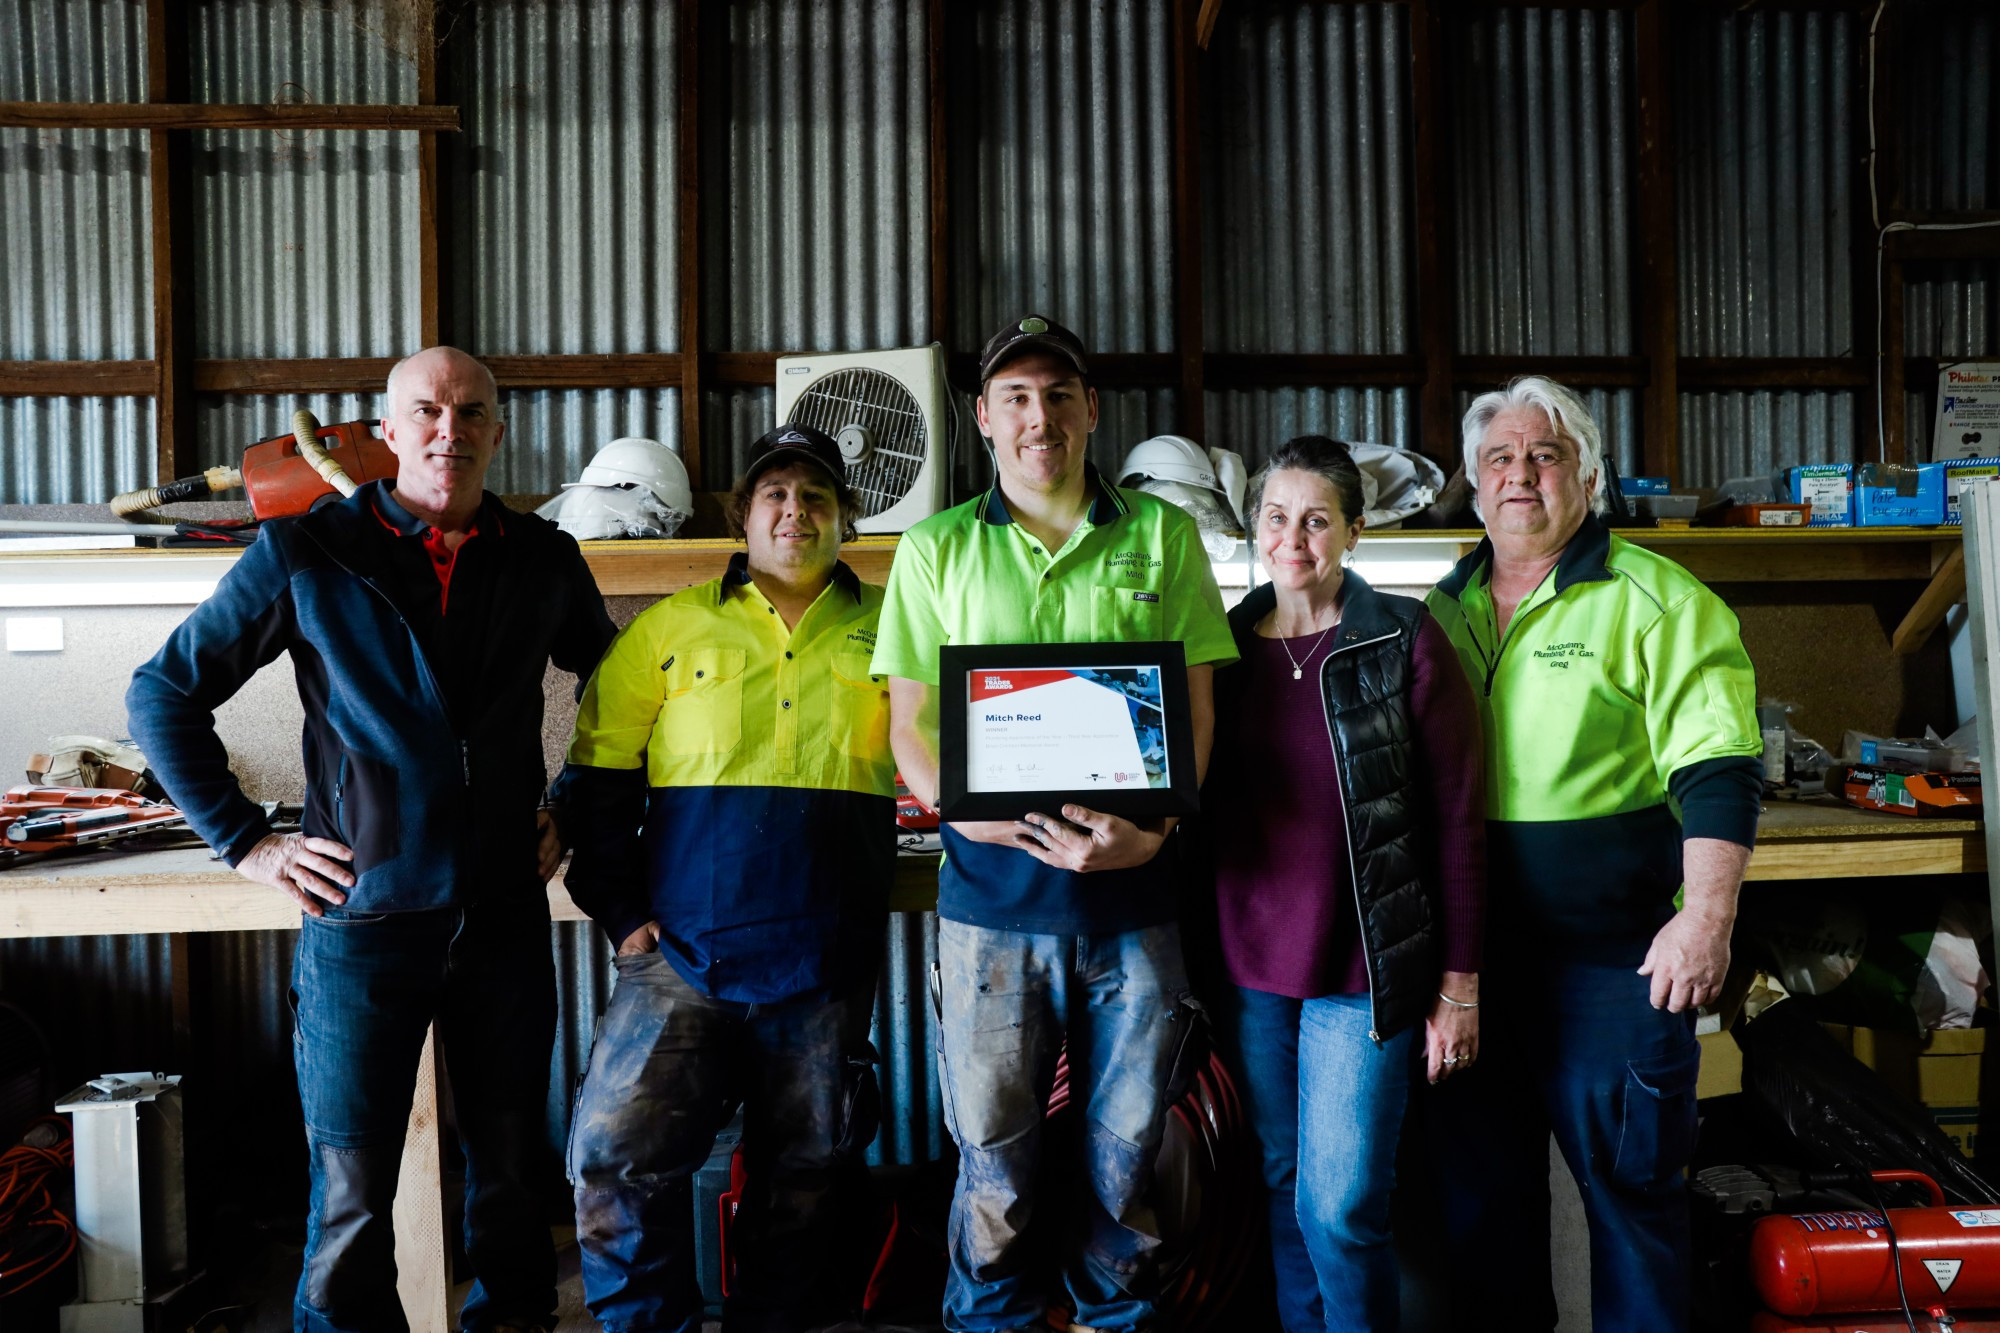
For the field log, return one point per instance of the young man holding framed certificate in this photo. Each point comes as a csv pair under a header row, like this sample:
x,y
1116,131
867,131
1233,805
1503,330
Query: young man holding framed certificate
x,y
1059,925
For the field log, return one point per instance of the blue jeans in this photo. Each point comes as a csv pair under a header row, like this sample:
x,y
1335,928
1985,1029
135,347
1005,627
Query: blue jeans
x,y
669,1066
1327,1107
364,989
1577,1050
1007,1002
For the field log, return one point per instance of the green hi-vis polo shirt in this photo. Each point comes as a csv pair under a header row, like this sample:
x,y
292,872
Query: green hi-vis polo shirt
x,y
1619,692
768,841
1134,570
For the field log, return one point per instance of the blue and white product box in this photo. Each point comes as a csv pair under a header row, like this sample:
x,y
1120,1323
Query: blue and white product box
x,y
1957,472
1828,488
1894,495
1646,485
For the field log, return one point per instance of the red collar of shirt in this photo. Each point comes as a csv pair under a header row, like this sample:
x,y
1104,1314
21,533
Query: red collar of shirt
x,y
444,559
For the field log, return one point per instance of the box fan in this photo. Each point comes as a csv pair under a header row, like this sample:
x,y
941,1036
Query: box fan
x,y
891,414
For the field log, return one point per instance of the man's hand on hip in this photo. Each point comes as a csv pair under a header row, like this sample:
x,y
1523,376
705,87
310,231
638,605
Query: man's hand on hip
x,y
643,940
308,869
1087,840
1687,962
549,847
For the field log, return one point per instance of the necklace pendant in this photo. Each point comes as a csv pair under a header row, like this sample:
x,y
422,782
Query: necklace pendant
x,y
1298,673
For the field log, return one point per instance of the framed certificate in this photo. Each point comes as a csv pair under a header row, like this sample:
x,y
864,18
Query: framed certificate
x,y
1033,726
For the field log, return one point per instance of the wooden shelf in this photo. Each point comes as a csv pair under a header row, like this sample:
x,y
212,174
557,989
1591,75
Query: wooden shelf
x,y
1714,555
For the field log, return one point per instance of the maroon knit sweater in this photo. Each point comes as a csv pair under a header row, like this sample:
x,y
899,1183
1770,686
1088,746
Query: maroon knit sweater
x,y
1282,883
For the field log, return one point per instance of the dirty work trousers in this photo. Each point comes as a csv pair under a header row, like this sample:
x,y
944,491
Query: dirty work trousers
x,y
365,986
669,1068
1007,1001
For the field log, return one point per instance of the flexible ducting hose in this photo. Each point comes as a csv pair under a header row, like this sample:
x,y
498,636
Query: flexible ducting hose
x,y
215,480
305,430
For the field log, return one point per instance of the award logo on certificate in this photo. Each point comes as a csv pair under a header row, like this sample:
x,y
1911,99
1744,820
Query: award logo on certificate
x,y
1026,727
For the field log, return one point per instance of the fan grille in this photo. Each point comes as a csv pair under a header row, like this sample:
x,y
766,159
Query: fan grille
x,y
889,412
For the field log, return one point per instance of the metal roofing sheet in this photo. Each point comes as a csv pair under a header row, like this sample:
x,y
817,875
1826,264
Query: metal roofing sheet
x,y
1307,229
1062,198
1753,433
816,218
1766,174
1542,110
1253,422
74,450
567,178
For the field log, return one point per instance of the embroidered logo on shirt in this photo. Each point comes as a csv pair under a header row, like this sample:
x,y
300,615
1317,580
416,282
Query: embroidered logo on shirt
x,y
1562,654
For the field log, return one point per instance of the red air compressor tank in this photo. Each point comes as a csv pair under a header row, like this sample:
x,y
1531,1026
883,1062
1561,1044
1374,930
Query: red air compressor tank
x,y
1825,1263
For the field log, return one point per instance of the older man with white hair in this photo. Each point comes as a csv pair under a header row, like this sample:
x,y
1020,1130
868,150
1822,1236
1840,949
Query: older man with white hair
x,y
421,616
1622,800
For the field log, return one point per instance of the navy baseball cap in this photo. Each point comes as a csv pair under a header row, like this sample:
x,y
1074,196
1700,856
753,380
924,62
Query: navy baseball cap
x,y
796,444
1027,334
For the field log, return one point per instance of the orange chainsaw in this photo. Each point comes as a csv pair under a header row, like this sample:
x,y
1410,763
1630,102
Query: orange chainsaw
x,y
286,475
54,819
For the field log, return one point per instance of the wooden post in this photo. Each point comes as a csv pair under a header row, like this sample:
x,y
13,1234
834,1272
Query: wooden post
x,y
169,166
1437,408
1659,299
689,207
1188,332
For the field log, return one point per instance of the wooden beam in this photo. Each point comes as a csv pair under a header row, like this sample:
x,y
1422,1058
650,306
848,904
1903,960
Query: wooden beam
x,y
1774,372
1981,242
1895,438
1945,590
1108,370
429,296
79,379
1592,372
1247,370
220,116
688,222
1659,299
939,150
170,180
1189,334
1437,403
366,374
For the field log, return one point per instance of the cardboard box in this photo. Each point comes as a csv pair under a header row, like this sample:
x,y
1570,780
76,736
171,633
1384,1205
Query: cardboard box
x,y
1939,1070
1721,1066
1646,486
1828,489
1764,516
1894,495
1925,795
1956,474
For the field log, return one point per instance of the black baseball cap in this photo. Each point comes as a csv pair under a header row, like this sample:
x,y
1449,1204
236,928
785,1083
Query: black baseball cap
x,y
1026,335
795,444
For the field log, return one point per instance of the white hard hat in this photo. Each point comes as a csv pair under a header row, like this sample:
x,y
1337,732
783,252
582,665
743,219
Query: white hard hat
x,y
1179,459
609,513
631,461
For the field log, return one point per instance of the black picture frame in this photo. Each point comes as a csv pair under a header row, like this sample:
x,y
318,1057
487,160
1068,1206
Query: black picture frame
x,y
959,800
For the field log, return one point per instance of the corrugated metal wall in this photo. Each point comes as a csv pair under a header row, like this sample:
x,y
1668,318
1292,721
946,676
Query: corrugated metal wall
x,y
1542,116
572,131
1765,182
1254,421
816,218
1063,203
76,278
1948,130
1309,237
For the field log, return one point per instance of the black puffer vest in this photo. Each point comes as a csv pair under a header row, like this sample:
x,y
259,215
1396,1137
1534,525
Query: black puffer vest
x,y
1364,683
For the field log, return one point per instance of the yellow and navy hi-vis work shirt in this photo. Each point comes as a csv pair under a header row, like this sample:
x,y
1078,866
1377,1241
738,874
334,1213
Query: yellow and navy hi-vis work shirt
x,y
1619,694
768,790
1134,570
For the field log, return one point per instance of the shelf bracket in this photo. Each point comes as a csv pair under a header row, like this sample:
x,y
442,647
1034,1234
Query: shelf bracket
x,y
1946,588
